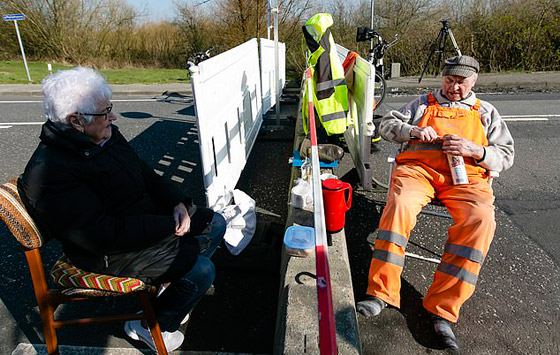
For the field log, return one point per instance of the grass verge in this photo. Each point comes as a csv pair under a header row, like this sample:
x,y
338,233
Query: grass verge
x,y
13,72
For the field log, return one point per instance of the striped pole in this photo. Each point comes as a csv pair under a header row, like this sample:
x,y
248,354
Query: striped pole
x,y
327,332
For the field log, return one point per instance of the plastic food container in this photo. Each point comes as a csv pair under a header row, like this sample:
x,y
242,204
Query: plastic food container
x,y
299,240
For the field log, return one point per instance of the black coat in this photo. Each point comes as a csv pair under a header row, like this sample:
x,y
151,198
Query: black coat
x,y
103,203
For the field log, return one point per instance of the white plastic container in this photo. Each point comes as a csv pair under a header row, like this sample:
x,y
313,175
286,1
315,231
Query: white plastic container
x,y
458,170
299,241
302,195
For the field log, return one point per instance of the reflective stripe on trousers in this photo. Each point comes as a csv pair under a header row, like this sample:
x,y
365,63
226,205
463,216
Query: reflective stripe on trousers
x,y
469,238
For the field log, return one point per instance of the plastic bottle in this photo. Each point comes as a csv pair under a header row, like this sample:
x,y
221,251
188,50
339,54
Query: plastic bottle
x,y
458,170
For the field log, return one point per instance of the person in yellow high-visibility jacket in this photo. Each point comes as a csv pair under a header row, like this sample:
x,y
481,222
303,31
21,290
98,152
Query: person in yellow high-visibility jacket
x,y
451,121
330,93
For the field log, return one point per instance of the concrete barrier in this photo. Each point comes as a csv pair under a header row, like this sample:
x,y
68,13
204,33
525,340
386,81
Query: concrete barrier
x,y
297,329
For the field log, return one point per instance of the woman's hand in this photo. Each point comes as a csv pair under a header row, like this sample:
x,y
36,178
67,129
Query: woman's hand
x,y
457,145
182,220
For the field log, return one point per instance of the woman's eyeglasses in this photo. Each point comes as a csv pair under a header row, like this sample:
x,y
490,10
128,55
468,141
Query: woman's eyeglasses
x,y
106,112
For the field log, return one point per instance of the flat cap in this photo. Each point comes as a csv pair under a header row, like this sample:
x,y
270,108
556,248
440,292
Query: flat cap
x,y
463,65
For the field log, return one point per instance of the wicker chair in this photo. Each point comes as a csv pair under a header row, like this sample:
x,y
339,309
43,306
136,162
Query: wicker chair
x,y
74,284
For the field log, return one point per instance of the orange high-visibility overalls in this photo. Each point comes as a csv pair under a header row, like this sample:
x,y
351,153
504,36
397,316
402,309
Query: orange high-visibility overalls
x,y
421,174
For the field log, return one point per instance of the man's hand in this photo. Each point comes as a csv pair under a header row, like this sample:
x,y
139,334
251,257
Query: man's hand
x,y
182,220
457,145
424,134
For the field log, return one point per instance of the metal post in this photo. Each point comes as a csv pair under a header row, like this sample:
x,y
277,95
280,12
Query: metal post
x,y
276,65
268,21
371,59
22,51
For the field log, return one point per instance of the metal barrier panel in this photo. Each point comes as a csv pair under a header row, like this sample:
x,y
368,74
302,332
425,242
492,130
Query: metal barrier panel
x,y
359,132
228,104
269,90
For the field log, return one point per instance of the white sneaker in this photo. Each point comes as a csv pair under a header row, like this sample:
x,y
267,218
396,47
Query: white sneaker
x,y
136,331
185,320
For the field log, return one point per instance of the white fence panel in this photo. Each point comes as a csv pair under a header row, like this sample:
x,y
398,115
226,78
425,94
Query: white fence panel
x,y
226,90
359,133
269,90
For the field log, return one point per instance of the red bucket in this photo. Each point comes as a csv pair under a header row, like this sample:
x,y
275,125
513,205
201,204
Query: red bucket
x,y
337,198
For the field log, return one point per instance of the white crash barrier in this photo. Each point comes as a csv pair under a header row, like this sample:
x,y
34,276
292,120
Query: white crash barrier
x,y
228,103
269,90
358,135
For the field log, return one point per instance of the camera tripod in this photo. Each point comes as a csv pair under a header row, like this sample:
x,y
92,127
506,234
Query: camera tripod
x,y
439,46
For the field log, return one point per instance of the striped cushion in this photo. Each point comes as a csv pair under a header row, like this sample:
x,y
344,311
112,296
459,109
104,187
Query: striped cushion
x,y
68,276
17,219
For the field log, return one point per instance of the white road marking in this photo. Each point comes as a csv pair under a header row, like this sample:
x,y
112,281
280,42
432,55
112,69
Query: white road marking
x,y
519,119
21,123
522,118
532,116
20,102
137,100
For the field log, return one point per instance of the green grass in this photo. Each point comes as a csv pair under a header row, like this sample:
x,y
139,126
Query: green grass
x,y
13,72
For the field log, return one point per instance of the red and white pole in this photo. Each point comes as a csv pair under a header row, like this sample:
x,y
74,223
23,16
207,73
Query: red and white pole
x,y
327,331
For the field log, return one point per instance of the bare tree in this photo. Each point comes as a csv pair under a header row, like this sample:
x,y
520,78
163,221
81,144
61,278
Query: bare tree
x,y
71,30
502,34
194,27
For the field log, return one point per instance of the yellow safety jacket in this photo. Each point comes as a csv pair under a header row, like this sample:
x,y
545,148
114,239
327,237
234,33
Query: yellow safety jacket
x,y
330,93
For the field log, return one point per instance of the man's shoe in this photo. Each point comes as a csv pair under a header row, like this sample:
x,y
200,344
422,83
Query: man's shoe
x,y
443,329
371,306
136,331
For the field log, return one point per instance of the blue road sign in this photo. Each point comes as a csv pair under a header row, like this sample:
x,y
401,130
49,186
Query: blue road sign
x,y
13,17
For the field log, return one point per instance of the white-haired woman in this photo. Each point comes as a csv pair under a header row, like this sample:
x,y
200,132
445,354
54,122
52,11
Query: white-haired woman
x,y
87,188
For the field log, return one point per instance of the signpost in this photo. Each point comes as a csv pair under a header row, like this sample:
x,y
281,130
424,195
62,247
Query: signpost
x,y
16,18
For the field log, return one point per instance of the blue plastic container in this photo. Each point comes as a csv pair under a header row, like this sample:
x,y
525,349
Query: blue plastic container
x,y
299,240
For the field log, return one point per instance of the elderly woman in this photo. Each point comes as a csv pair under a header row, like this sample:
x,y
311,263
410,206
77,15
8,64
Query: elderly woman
x,y
87,188
454,122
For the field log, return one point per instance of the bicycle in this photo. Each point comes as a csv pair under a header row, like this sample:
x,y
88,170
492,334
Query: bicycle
x,y
376,54
198,57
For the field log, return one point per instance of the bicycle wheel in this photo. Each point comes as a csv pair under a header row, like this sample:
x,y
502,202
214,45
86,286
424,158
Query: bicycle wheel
x,y
380,90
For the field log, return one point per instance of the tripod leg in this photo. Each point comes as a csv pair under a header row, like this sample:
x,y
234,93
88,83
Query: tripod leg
x,y
432,50
441,51
454,43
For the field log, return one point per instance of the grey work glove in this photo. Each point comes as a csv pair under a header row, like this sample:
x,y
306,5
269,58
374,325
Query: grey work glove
x,y
328,153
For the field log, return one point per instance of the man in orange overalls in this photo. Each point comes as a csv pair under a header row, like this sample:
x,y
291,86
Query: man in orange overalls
x,y
450,121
